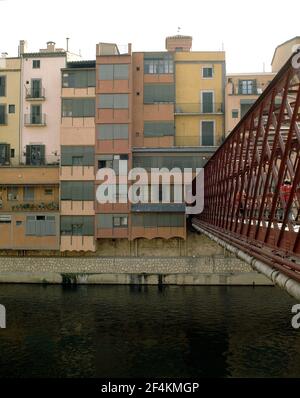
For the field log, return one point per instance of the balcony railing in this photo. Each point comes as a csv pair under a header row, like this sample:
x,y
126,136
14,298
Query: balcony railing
x,y
196,140
28,206
33,93
199,108
35,120
3,119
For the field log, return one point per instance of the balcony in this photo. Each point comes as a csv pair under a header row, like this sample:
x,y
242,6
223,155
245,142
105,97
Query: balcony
x,y
3,119
35,94
199,109
28,206
31,120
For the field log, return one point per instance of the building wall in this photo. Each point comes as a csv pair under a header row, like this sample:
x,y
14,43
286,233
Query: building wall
x,y
10,133
13,234
190,84
234,99
77,132
113,147
50,74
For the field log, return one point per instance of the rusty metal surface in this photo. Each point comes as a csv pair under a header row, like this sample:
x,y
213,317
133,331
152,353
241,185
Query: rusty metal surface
x,y
252,182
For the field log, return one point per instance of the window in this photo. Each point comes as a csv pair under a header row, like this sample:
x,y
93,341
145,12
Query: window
x,y
36,114
4,154
40,226
77,225
28,193
36,88
114,72
77,229
247,87
178,49
117,162
12,194
120,222
207,72
159,129
113,101
35,155
159,64
83,107
77,190
77,160
77,155
3,118
2,86
79,79
155,220
159,93
11,109
110,221
12,153
36,64
112,132
207,101
207,133
48,191
235,113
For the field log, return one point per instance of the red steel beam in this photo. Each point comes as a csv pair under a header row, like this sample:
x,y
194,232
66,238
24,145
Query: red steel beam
x,y
244,200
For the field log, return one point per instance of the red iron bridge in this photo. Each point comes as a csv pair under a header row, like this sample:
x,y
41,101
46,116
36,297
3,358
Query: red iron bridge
x,y
252,184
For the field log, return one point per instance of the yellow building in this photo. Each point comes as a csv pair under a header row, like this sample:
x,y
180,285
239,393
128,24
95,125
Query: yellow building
x,y
200,87
10,74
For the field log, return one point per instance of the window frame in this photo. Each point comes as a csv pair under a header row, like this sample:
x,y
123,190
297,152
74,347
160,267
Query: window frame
x,y
4,77
36,64
214,132
212,72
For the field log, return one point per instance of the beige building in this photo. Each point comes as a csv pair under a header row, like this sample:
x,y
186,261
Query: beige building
x,y
10,74
242,90
283,52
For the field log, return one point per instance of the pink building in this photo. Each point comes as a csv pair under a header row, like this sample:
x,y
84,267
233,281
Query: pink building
x,y
40,94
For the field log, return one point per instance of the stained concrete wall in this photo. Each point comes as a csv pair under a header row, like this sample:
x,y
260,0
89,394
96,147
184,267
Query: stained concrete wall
x,y
204,270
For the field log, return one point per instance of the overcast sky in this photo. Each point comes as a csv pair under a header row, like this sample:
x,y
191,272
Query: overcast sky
x,y
249,31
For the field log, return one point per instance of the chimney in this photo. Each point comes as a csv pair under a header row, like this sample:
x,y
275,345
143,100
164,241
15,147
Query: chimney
x,y
50,46
22,47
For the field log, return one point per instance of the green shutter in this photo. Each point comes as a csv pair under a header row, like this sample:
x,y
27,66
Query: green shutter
x,y
154,93
159,129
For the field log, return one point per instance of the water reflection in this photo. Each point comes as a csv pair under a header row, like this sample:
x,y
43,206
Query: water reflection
x,y
121,331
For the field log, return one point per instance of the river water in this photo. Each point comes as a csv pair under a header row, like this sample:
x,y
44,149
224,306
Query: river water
x,y
123,331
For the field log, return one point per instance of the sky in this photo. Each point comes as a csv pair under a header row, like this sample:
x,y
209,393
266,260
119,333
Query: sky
x,y
248,31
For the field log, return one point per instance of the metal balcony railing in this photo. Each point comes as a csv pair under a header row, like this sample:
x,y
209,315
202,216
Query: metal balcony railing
x,y
3,119
35,93
35,120
199,108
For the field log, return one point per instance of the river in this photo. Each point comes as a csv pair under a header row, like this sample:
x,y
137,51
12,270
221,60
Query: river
x,y
125,331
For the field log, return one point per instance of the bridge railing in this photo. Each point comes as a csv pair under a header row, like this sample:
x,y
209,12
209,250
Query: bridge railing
x,y
252,182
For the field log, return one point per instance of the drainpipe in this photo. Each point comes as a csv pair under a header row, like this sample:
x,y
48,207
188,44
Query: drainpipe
x,y
279,279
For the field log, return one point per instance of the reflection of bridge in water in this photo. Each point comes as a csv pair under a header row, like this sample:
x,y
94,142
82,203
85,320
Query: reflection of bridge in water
x,y
252,184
